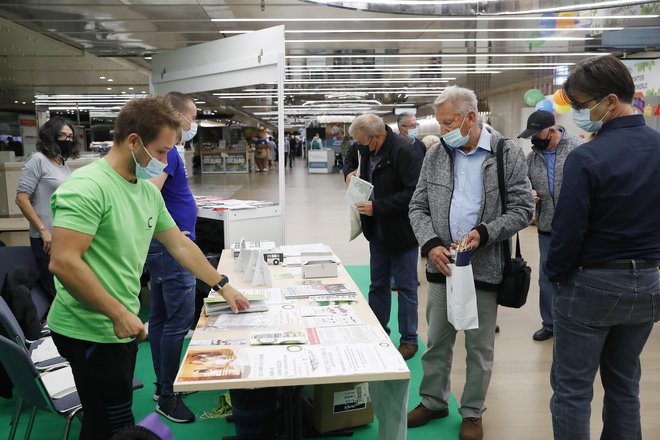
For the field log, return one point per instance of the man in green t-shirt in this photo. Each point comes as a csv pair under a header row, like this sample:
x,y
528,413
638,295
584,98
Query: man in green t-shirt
x,y
104,217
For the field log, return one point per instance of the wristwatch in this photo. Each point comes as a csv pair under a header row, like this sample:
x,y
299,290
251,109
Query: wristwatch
x,y
220,284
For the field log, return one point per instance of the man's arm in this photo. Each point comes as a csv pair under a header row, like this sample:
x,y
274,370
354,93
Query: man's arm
x,y
191,257
159,181
67,265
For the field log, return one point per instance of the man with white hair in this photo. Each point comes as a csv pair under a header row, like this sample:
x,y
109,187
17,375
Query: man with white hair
x,y
409,128
458,198
387,161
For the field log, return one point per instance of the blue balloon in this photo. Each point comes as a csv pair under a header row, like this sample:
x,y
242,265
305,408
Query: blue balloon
x,y
548,26
544,105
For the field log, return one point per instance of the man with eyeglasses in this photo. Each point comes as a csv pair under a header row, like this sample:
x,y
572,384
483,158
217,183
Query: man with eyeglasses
x,y
545,163
604,255
408,127
387,161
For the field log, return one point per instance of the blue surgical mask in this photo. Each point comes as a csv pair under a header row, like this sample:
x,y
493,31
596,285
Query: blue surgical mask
x,y
187,135
412,133
153,169
454,138
582,119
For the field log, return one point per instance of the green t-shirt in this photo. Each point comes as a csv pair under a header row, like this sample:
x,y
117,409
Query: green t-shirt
x,y
122,217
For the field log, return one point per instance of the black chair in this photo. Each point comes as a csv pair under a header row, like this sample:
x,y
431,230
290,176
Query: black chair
x,y
14,256
32,391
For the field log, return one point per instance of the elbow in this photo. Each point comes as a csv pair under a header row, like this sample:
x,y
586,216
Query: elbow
x,y
59,266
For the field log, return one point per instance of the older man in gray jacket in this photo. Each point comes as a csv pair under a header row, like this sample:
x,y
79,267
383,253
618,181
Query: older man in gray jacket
x,y
550,147
457,194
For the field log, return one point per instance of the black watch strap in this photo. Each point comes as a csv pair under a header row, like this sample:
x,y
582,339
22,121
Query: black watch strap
x,y
220,284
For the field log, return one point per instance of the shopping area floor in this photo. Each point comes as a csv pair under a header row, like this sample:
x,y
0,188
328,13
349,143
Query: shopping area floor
x,y
519,392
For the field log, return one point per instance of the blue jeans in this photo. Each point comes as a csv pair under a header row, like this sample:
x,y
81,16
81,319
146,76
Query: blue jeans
x,y
403,267
545,286
172,311
602,318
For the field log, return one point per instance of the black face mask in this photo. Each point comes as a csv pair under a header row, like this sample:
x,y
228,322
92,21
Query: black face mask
x,y
541,144
65,147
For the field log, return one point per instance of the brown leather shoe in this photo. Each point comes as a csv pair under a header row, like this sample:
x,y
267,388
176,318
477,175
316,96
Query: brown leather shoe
x,y
471,429
421,415
407,350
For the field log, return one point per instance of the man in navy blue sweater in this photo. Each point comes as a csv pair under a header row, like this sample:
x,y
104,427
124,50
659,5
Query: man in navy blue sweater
x,y
604,255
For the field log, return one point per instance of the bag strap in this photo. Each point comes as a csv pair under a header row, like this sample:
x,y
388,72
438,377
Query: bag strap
x,y
502,187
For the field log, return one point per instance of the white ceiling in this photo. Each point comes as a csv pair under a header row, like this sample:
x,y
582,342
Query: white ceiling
x,y
64,46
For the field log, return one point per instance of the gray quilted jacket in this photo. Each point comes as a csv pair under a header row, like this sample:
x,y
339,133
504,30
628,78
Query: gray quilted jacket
x,y
429,208
538,174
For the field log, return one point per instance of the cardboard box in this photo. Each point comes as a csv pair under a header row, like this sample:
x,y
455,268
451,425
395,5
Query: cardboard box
x,y
337,406
319,269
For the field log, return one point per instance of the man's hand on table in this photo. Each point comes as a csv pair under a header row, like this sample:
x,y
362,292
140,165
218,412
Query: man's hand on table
x,y
234,298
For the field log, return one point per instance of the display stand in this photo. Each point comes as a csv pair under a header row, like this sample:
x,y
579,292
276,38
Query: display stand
x,y
321,161
215,161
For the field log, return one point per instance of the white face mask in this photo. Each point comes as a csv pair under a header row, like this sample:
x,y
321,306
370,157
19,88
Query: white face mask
x,y
187,135
153,169
454,138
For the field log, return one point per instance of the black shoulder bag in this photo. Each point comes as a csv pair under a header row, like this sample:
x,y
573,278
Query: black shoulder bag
x,y
513,290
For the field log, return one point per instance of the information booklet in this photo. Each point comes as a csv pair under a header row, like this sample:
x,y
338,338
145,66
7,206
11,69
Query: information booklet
x,y
278,338
329,300
307,290
217,305
215,364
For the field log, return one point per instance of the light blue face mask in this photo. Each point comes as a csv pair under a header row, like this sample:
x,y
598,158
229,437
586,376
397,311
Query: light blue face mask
x,y
582,119
153,169
454,138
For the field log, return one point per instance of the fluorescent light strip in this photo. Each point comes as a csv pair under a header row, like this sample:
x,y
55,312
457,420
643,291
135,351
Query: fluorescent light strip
x,y
356,89
366,80
402,2
447,65
452,55
424,31
290,76
435,40
444,18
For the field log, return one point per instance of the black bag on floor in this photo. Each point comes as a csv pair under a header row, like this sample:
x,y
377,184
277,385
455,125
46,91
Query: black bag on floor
x,y
513,290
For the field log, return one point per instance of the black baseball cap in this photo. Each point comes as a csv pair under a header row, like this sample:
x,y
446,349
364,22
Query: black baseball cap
x,y
536,122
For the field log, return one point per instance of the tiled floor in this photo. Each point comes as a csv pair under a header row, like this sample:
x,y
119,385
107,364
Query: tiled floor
x,y
519,390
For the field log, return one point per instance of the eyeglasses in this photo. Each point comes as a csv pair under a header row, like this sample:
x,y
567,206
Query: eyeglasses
x,y
410,126
580,105
65,137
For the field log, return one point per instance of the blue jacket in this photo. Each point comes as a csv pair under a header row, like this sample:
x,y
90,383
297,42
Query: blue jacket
x,y
609,206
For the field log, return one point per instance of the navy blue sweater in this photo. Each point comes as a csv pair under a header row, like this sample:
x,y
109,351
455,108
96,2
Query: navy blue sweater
x,y
609,207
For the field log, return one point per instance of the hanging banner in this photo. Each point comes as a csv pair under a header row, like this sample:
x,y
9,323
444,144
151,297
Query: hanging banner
x,y
646,75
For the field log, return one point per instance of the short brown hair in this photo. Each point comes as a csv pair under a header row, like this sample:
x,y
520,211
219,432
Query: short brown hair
x,y
179,101
597,77
146,117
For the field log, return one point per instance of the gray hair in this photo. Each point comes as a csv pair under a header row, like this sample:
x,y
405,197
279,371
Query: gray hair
x,y
367,124
464,99
402,116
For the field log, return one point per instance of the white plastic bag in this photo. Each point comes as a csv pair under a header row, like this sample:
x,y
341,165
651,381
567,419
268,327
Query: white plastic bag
x,y
462,298
353,214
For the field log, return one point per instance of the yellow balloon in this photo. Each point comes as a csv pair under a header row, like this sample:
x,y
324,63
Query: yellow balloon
x,y
564,20
560,98
561,109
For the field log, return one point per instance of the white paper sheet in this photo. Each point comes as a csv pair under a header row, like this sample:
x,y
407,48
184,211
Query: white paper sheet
x,y
339,335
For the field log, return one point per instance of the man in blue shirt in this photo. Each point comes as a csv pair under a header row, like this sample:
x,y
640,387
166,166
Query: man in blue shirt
x,y
545,164
172,285
604,255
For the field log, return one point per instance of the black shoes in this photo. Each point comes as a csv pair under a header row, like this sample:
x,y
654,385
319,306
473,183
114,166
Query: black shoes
x,y
542,335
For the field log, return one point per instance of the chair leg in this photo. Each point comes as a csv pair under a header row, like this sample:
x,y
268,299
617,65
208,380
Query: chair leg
x,y
15,418
28,431
69,418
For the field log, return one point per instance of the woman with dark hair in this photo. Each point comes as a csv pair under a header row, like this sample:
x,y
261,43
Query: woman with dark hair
x,y
42,174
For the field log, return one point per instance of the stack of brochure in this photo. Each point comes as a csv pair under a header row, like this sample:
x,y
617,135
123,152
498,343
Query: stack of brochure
x,y
307,290
217,305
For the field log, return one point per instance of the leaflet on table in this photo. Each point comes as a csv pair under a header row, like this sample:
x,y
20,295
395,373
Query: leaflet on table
x,y
328,300
215,364
291,337
332,321
359,190
211,342
338,310
306,290
277,315
344,334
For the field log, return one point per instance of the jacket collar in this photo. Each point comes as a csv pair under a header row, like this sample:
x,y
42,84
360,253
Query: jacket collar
x,y
623,122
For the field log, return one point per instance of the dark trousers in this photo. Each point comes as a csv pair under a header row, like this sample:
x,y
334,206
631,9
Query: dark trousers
x,y
43,260
104,377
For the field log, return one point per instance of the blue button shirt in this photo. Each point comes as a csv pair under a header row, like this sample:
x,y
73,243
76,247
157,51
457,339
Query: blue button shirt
x,y
468,187
550,162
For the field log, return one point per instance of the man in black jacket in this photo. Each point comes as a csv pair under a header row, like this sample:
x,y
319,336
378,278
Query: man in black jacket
x,y
388,162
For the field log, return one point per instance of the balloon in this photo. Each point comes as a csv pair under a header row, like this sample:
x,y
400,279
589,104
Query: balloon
x,y
564,22
561,109
548,26
560,97
533,96
545,105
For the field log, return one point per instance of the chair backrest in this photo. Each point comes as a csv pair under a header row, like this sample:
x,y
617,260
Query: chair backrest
x,y
14,256
9,325
23,374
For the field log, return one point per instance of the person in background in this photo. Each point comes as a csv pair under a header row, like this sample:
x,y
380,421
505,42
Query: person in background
x,y
388,162
42,174
316,142
604,255
545,165
430,140
449,204
288,156
272,151
172,285
104,218
262,149
408,127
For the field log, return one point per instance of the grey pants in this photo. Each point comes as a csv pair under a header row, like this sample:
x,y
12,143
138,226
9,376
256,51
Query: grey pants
x,y
435,388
